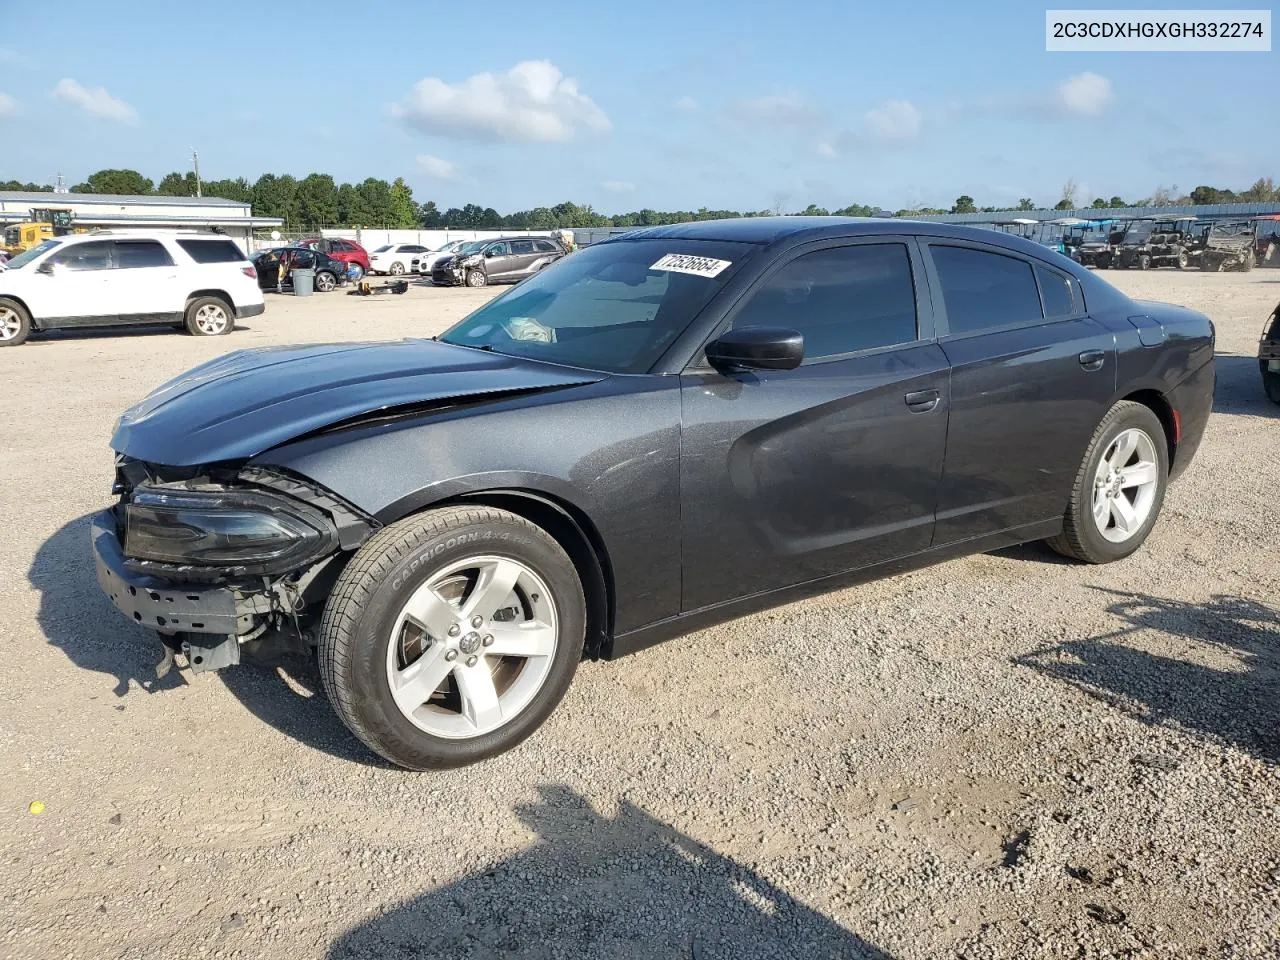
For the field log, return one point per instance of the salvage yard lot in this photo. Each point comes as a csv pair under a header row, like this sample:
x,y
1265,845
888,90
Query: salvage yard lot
x,y
1006,755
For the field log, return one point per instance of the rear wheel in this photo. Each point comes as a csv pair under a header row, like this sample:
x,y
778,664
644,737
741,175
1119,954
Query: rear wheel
x,y
1119,488
1183,260
451,636
326,281
209,317
15,323
1144,262
356,271
397,269
1270,382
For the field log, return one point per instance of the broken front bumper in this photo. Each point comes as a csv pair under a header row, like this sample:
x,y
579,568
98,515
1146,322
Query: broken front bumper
x,y
210,619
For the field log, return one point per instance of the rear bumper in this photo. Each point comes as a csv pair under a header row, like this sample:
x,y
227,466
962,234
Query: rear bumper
x,y
1193,400
158,604
252,310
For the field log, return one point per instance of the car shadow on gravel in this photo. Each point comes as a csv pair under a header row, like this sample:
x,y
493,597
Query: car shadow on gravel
x,y
1239,387
76,616
605,887
1239,706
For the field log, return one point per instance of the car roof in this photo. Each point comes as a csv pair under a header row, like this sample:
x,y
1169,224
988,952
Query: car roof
x,y
771,230
155,234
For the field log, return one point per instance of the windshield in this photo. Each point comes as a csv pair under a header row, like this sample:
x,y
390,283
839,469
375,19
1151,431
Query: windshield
x,y
471,246
1137,232
22,259
613,307
448,247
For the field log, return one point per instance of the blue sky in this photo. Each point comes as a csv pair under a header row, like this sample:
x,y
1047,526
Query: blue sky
x,y
740,105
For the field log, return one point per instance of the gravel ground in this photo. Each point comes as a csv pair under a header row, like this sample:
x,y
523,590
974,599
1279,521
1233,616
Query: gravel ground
x,y
1003,756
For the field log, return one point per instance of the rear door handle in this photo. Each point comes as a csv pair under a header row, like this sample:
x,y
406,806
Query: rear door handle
x,y
922,401
1092,359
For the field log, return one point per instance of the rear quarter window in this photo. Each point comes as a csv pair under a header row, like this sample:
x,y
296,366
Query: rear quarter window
x,y
212,251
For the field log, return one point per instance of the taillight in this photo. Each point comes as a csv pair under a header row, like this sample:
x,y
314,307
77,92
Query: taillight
x,y
250,272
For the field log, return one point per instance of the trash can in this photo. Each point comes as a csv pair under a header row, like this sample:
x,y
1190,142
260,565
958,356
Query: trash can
x,y
304,281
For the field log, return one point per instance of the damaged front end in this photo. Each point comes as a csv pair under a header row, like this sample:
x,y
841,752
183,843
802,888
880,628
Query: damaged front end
x,y
214,558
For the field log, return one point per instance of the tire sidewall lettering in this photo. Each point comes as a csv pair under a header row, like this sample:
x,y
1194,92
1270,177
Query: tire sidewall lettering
x,y
451,542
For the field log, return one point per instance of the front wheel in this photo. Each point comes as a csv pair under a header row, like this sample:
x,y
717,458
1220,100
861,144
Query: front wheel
x,y
1182,260
208,317
1119,488
476,278
451,636
1270,382
1144,263
15,323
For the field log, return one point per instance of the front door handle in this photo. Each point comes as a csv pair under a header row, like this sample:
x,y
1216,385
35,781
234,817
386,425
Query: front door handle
x,y
922,401
1092,359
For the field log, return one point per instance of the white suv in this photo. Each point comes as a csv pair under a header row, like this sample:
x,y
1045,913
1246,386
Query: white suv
x,y
202,281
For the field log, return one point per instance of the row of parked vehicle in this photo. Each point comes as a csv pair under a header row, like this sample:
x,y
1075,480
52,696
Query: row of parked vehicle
x,y
1215,245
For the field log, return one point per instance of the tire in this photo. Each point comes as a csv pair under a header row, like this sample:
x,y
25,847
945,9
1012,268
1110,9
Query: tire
x,y
1083,536
365,637
1182,260
397,269
360,272
326,282
209,317
1270,382
15,323
476,278
1144,262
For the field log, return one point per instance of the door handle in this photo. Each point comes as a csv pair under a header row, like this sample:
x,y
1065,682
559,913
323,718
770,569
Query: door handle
x,y
1092,359
922,401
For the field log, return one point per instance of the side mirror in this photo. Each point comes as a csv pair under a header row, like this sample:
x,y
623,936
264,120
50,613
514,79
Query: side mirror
x,y
489,253
757,348
46,268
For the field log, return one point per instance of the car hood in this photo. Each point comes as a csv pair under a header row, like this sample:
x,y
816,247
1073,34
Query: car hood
x,y
245,402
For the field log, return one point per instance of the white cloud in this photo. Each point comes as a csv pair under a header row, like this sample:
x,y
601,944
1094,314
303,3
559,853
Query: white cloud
x,y
8,105
533,102
893,120
687,104
826,150
1087,94
96,101
779,109
438,167
617,186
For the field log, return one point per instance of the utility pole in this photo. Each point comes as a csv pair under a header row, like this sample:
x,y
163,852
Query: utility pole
x,y
195,162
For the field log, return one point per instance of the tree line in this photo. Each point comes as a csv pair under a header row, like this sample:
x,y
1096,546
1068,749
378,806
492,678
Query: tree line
x,y
317,200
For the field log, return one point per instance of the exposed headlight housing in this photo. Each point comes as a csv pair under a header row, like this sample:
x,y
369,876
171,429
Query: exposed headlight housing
x,y
241,531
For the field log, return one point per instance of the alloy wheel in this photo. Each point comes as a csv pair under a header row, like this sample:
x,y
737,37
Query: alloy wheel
x,y
472,647
211,319
1125,484
9,323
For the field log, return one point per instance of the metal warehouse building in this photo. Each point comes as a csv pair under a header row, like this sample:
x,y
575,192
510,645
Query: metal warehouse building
x,y
231,217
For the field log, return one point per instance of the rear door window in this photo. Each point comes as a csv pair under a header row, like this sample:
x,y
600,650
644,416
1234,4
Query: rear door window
x,y
521,246
985,291
212,251
131,254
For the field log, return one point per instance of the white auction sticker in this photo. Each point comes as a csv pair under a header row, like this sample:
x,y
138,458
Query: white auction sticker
x,y
698,266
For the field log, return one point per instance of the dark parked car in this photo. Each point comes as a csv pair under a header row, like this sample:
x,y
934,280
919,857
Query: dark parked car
x,y
653,435
500,260
347,251
330,273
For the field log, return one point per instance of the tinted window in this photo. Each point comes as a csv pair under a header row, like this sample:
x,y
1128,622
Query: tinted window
x,y
128,254
982,290
84,256
382,249
212,251
843,299
1057,292
412,248
522,246
545,246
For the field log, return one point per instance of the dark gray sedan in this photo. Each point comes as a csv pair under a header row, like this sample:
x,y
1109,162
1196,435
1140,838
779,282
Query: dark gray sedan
x,y
655,434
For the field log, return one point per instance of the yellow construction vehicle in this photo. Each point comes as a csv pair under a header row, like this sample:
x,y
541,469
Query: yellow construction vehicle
x,y
45,224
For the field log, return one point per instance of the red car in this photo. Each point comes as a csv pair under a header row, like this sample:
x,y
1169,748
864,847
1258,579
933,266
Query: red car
x,y
347,251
